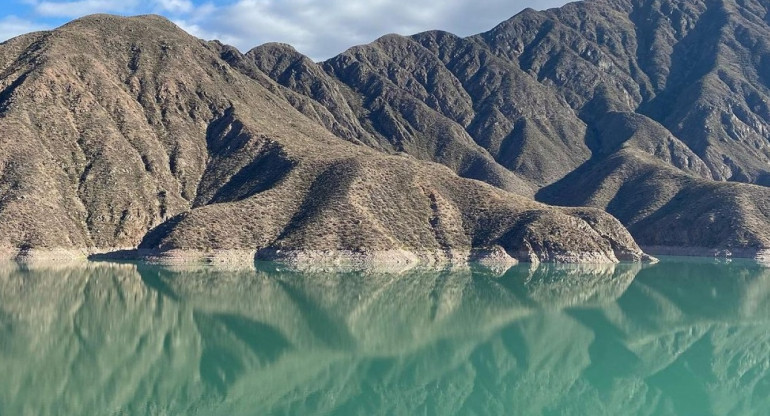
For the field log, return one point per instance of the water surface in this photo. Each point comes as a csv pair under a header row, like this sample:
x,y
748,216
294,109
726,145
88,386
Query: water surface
x,y
684,337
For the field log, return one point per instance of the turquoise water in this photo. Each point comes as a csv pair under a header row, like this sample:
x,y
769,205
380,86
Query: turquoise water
x,y
684,337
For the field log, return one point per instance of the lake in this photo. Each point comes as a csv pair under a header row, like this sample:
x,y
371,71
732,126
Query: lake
x,y
683,337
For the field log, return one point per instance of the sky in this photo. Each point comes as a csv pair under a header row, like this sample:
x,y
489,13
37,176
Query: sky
x,y
317,28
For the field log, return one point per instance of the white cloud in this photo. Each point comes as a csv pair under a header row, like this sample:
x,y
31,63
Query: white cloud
x,y
323,29
200,32
80,8
11,26
318,28
176,6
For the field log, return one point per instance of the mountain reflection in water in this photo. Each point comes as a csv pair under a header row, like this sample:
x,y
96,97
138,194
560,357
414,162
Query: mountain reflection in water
x,y
684,337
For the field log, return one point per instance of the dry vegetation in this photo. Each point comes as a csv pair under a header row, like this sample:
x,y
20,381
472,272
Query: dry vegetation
x,y
616,104
125,132
116,132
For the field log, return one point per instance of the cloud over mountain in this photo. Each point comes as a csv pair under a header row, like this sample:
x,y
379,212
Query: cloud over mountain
x,y
319,29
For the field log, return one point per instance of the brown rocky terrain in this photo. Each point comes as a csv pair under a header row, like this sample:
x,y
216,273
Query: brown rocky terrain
x,y
118,133
124,133
644,108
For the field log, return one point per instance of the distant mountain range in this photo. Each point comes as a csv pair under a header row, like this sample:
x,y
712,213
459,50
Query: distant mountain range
x,y
124,133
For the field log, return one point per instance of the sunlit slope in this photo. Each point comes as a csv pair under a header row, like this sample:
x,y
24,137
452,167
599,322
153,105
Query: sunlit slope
x,y
117,132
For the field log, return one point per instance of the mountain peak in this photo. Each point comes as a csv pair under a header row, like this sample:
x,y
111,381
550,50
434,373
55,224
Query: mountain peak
x,y
112,19
111,26
274,48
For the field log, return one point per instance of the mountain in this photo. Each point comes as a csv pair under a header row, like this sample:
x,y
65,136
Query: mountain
x,y
653,110
125,133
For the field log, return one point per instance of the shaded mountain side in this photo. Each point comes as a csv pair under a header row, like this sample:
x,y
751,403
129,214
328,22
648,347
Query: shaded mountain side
x,y
409,100
552,96
116,131
659,190
617,130
664,207
393,123
368,204
521,122
697,67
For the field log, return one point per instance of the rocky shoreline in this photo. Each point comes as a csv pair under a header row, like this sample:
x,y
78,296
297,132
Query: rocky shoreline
x,y
761,255
494,258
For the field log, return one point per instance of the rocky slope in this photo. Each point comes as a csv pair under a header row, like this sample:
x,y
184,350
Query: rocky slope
x,y
117,133
654,111
638,107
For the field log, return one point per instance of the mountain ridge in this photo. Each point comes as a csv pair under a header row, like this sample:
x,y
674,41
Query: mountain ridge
x,y
149,140
610,75
269,152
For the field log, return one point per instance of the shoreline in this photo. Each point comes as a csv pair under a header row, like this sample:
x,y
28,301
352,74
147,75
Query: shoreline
x,y
757,254
315,260
495,258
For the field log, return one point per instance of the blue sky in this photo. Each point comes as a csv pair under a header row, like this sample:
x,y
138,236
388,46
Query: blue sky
x,y
318,28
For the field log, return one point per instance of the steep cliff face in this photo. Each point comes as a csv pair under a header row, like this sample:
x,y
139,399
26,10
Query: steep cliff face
x,y
567,96
125,132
